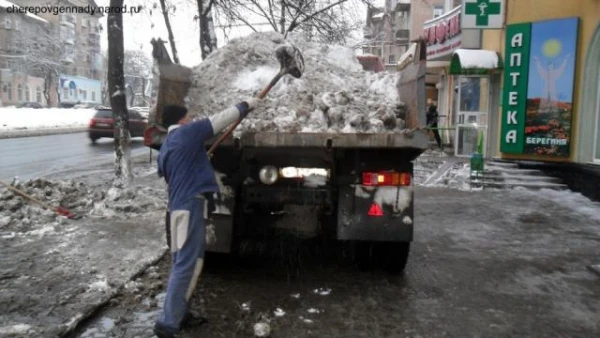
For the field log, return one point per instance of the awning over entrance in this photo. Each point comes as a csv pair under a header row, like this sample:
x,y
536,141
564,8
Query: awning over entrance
x,y
474,62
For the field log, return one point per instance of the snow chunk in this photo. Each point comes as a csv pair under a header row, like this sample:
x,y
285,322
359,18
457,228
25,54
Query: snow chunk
x,y
262,330
279,312
322,291
295,295
15,329
334,94
255,79
101,285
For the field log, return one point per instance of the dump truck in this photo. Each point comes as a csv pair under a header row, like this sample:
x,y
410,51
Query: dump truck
x,y
359,185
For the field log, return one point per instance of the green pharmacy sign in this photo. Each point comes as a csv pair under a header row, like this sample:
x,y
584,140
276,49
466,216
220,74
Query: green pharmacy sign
x,y
537,98
482,14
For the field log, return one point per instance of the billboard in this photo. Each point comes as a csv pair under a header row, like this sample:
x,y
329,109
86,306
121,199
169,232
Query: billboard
x,y
538,87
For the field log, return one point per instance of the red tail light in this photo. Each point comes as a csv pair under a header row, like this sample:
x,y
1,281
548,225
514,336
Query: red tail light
x,y
386,178
92,122
375,210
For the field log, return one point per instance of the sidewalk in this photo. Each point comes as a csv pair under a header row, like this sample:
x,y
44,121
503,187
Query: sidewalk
x,y
54,274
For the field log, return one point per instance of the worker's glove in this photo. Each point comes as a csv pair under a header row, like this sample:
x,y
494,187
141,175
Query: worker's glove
x,y
247,106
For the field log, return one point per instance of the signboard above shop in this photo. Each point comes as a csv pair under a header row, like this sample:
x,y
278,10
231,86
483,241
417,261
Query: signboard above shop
x,y
443,34
482,14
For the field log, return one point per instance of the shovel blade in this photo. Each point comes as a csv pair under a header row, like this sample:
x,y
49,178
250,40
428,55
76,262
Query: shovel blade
x,y
290,59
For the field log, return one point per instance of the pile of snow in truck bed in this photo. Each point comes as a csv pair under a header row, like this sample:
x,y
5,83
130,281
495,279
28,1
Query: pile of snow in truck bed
x,y
20,215
333,95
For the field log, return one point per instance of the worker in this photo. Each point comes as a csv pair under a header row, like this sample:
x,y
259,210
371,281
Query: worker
x,y
185,166
432,122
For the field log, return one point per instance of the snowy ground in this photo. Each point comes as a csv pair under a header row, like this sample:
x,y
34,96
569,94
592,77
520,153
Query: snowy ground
x,y
503,263
24,121
484,263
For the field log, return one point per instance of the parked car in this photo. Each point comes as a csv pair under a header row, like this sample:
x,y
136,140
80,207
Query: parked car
x,y
102,124
30,105
85,105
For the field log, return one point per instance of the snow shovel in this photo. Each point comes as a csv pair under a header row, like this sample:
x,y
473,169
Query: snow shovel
x,y
291,62
59,210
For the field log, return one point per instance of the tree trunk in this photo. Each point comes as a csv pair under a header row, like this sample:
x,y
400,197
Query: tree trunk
x,y
170,30
47,86
208,41
116,87
282,20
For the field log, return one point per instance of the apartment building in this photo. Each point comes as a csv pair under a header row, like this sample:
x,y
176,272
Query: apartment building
x,y
74,68
389,29
20,78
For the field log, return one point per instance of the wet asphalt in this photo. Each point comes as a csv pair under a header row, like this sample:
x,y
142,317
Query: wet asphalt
x,y
483,264
39,156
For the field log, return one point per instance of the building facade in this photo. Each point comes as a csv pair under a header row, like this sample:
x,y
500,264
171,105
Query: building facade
x,y
560,113
68,45
20,78
390,29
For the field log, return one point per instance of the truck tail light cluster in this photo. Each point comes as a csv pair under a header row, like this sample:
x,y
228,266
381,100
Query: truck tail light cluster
x,y
387,178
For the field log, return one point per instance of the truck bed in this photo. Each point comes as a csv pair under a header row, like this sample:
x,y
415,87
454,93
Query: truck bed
x,y
408,139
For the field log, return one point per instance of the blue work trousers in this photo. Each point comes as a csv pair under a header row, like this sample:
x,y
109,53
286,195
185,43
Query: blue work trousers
x,y
188,244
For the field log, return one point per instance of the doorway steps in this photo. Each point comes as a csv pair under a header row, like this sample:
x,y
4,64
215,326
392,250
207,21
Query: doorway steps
x,y
506,175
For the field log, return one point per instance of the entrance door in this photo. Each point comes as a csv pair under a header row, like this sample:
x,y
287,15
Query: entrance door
x,y
473,99
472,108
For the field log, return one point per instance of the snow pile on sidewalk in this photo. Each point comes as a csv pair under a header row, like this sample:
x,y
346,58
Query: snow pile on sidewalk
x,y
333,95
12,118
21,215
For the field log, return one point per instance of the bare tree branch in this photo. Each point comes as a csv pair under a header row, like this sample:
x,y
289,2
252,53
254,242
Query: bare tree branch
x,y
170,30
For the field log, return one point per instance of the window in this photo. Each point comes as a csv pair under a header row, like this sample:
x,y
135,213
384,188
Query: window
x,y
94,95
65,92
4,88
9,92
84,95
17,24
84,22
19,92
392,58
7,23
438,11
72,93
27,94
38,95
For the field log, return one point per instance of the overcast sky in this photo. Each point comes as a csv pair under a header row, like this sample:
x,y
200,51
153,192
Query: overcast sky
x,y
140,28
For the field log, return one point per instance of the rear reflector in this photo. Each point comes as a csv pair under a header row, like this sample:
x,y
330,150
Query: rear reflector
x,y
386,178
375,210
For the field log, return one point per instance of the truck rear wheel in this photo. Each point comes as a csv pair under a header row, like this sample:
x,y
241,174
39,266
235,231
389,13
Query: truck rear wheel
x,y
388,256
393,256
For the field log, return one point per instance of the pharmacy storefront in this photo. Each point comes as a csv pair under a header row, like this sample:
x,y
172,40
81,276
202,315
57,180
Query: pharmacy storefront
x,y
467,80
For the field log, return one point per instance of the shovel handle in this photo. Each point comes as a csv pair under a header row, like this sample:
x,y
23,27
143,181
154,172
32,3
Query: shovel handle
x,y
24,195
261,96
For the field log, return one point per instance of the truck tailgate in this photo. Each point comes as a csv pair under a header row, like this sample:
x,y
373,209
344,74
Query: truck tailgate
x,y
410,139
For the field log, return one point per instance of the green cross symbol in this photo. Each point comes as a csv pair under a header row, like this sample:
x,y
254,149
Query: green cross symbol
x,y
482,9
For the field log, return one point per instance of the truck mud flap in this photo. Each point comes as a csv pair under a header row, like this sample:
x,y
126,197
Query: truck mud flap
x,y
391,210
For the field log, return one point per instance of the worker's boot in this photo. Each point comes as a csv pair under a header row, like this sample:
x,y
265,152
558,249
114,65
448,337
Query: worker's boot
x,y
192,320
161,332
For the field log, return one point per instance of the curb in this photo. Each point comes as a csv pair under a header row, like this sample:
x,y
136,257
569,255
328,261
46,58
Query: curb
x,y
595,269
69,327
21,133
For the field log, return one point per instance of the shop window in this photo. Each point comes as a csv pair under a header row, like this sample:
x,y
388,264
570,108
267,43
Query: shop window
x,y
65,92
27,94
84,97
4,88
38,95
93,96
20,92
392,58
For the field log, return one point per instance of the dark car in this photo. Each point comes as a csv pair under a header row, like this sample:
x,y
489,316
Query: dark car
x,y
102,124
30,105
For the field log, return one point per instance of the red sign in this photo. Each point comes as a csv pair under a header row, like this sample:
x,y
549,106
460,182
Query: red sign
x,y
443,34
